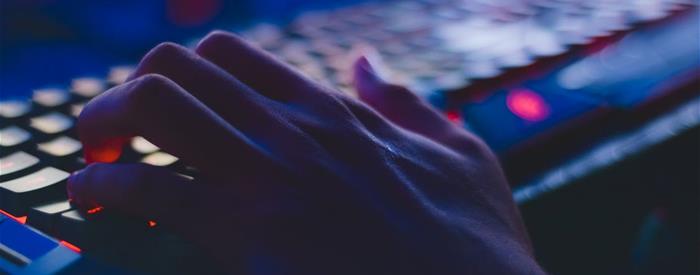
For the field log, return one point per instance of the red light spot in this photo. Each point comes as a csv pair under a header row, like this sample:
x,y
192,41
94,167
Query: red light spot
x,y
454,116
108,151
22,219
152,224
71,246
527,105
95,210
109,154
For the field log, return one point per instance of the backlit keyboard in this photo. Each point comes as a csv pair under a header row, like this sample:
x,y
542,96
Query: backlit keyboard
x,y
538,80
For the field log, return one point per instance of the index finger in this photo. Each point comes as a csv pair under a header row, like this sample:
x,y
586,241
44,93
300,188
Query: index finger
x,y
156,108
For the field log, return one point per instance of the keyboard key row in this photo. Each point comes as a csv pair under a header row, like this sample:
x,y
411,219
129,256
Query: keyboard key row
x,y
19,194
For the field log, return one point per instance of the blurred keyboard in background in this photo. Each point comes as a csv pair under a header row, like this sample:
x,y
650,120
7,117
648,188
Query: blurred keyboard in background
x,y
540,81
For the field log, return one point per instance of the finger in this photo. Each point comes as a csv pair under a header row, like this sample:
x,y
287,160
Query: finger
x,y
138,190
159,110
400,105
218,90
255,67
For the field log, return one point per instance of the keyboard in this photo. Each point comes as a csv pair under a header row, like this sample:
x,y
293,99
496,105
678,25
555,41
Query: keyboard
x,y
543,82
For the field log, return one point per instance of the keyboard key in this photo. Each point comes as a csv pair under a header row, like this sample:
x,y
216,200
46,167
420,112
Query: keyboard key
x,y
50,97
76,109
16,163
87,87
12,136
28,251
60,147
143,146
22,243
14,109
51,123
72,227
13,256
46,217
119,74
45,185
160,159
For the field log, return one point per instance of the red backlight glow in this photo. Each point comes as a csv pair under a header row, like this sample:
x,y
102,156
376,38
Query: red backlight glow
x,y
22,219
70,246
95,210
527,105
454,117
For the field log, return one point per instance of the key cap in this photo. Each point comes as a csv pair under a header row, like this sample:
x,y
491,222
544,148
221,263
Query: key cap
x,y
50,97
60,147
160,159
46,217
71,227
27,251
24,243
77,108
14,109
13,256
51,123
16,164
45,185
143,146
87,87
119,74
13,136
62,153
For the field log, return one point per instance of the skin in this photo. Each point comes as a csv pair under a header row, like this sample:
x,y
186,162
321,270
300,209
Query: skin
x,y
297,178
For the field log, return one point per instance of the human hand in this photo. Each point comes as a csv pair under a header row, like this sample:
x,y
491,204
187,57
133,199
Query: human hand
x,y
297,178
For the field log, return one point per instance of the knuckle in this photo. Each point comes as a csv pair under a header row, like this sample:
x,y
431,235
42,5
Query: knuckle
x,y
146,91
213,38
162,52
152,81
166,49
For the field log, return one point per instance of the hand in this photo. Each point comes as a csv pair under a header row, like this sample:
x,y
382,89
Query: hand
x,y
298,178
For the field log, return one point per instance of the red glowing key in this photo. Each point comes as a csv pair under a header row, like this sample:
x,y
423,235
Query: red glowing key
x,y
527,105
152,224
